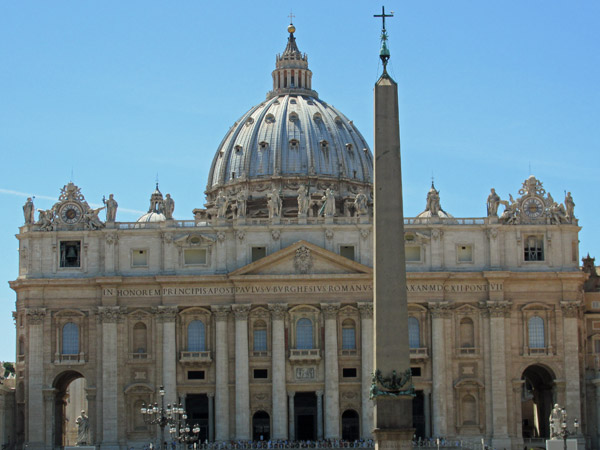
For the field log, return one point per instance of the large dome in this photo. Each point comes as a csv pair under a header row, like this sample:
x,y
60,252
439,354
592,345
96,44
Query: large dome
x,y
292,139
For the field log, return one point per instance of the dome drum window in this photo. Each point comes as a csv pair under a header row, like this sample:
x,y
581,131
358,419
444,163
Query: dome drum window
x,y
294,144
238,149
263,145
270,118
249,122
293,117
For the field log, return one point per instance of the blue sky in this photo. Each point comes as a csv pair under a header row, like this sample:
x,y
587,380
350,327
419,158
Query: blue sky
x,y
115,92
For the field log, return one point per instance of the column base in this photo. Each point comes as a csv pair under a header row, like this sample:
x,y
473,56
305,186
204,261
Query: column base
x,y
393,438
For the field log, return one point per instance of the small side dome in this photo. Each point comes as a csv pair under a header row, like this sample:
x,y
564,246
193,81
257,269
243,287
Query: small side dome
x,y
155,212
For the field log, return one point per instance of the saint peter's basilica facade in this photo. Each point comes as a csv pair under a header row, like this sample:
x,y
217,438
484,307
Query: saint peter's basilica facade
x,y
257,313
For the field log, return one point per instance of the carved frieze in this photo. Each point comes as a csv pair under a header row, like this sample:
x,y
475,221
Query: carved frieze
x,y
329,234
221,236
364,233
498,309
275,234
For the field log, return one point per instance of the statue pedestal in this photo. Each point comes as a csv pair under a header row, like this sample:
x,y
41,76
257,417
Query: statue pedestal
x,y
363,219
393,439
328,219
559,444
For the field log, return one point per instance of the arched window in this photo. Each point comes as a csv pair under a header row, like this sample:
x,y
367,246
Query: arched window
x,y
536,332
348,335
304,334
260,336
469,410
467,333
196,336
140,334
70,339
414,334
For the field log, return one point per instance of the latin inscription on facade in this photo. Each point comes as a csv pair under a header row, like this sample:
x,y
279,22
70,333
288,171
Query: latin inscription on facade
x,y
294,289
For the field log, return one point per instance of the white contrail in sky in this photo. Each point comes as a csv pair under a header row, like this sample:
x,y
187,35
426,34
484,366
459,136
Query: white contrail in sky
x,y
47,197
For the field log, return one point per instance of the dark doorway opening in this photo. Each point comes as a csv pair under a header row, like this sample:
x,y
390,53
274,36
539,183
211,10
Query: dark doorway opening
x,y
305,410
261,426
66,414
350,425
196,406
536,401
418,407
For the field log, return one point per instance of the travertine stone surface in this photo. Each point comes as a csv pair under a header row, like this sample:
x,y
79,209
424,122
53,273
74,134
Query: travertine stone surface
x,y
279,394
332,393
242,389
221,314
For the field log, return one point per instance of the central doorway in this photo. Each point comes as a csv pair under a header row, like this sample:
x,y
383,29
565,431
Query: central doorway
x,y
196,406
536,401
261,426
305,412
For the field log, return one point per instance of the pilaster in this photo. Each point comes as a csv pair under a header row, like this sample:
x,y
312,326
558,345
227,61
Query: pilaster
x,y
35,406
167,315
439,311
570,312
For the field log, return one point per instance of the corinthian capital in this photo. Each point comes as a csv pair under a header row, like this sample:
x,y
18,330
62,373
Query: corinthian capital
x,y
110,314
366,310
167,313
330,310
278,310
241,311
35,316
439,310
221,312
570,309
498,309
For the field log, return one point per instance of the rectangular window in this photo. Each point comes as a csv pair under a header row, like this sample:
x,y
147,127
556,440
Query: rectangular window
x,y
349,372
347,251
258,253
415,371
70,254
413,253
261,373
534,248
260,340
195,374
194,256
596,305
596,325
464,253
139,258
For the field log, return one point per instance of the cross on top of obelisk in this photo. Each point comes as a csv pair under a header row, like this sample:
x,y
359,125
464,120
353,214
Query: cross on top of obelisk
x,y
384,53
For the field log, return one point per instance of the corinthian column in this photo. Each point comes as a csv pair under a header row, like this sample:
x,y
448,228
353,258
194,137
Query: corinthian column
x,y
167,315
35,376
570,310
438,359
242,388
109,316
279,392
498,310
332,390
366,357
221,314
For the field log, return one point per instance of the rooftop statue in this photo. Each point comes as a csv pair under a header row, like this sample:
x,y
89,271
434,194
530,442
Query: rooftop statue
x,y
111,208
168,207
28,211
493,201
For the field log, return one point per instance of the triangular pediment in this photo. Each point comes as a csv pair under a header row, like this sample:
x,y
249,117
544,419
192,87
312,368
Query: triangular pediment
x,y
303,258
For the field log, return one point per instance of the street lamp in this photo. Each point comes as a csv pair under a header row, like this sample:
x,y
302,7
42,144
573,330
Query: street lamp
x,y
181,431
161,416
564,431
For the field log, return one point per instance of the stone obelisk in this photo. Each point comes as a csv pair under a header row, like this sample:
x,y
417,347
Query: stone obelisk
x,y
392,389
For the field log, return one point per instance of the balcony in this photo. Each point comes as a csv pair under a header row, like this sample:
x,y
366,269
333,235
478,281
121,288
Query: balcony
x,y
348,352
138,356
467,351
195,357
311,355
69,360
538,351
419,354
261,354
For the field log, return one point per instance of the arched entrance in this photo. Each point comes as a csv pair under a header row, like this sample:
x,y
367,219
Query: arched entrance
x,y
261,426
69,400
536,401
350,425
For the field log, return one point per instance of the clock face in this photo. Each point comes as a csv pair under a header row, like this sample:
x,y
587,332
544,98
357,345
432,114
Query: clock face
x,y
71,213
533,207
